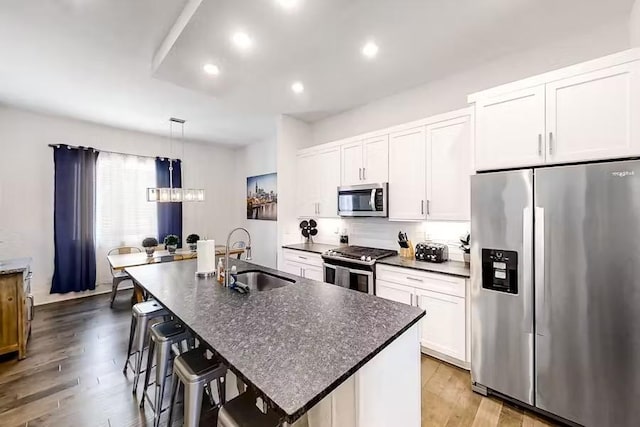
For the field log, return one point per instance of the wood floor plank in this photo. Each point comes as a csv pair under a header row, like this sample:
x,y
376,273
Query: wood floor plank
x,y
488,413
72,376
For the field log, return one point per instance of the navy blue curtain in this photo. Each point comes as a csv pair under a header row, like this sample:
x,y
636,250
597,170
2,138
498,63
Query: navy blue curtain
x,y
74,219
169,214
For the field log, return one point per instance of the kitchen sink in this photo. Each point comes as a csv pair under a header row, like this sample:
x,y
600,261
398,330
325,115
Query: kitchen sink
x,y
262,281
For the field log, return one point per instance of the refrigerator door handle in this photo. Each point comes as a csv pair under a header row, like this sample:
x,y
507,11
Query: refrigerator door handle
x,y
527,255
540,284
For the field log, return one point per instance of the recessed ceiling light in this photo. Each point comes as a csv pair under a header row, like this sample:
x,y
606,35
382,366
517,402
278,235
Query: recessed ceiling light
x,y
370,50
242,40
297,87
288,4
211,69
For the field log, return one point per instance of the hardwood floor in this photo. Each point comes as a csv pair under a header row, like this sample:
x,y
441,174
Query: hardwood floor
x,y
73,377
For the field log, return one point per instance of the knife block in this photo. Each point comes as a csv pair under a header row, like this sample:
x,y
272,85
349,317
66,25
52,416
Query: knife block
x,y
409,252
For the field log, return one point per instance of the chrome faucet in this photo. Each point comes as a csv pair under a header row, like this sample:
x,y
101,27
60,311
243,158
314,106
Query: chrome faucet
x,y
247,250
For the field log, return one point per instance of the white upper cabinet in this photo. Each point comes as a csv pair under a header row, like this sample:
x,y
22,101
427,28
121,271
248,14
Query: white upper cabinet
x,y
327,171
352,163
407,175
594,115
306,186
365,162
375,165
510,130
586,112
449,168
317,183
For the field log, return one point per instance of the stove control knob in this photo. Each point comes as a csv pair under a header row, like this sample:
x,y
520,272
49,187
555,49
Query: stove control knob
x,y
369,258
363,258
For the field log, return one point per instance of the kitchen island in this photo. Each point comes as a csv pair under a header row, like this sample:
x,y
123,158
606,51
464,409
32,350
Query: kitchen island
x,y
347,358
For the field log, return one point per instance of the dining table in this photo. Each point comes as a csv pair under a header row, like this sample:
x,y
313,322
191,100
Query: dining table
x,y
119,262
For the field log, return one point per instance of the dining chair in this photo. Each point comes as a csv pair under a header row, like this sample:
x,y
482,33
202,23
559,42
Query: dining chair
x,y
120,276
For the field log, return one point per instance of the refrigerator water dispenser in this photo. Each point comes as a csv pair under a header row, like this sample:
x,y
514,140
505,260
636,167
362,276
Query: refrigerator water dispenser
x,y
500,270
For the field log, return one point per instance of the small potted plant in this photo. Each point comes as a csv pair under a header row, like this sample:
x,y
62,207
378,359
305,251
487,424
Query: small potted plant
x,y
192,241
466,248
171,243
149,244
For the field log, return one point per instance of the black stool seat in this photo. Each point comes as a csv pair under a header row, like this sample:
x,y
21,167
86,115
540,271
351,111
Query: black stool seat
x,y
243,412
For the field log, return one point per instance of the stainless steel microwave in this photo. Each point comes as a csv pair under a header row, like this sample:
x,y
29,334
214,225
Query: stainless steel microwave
x,y
363,200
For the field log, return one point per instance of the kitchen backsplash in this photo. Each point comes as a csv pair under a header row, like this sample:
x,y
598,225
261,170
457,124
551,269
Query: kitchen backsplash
x,y
382,233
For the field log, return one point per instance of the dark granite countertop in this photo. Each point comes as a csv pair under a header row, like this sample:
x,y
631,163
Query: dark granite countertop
x,y
294,344
316,248
17,265
454,268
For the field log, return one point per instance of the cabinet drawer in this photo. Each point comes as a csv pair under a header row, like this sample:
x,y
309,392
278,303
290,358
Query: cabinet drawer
x,y
442,283
303,257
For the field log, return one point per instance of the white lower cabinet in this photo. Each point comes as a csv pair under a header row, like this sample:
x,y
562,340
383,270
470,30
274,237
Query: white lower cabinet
x,y
444,329
303,264
393,292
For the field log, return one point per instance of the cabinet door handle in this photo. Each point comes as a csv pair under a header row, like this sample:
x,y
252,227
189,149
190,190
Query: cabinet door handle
x,y
360,174
551,143
539,144
318,212
422,207
301,257
428,207
411,303
415,279
364,173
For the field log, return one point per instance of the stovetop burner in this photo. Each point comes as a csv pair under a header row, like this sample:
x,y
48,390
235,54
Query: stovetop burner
x,y
359,254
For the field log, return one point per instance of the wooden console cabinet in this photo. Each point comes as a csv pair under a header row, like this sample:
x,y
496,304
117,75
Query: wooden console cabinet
x,y
16,306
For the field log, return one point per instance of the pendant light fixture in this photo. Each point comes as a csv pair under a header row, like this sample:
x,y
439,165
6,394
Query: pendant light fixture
x,y
170,194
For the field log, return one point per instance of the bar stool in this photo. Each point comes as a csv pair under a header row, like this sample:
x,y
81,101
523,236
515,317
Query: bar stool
x,y
196,372
141,314
163,337
242,411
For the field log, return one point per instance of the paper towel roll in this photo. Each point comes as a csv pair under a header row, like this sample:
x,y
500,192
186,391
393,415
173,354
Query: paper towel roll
x,y
206,256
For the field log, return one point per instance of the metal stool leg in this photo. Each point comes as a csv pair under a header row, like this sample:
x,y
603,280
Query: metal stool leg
x,y
192,403
147,374
175,387
163,354
131,333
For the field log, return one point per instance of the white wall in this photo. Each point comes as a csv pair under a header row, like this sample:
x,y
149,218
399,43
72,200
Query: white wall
x,y
450,93
27,173
256,159
292,134
634,25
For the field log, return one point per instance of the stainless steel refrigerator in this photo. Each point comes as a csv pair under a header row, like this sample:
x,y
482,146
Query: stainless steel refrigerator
x,y
556,289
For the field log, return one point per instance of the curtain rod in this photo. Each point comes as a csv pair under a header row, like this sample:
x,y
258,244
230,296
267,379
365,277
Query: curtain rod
x,y
79,147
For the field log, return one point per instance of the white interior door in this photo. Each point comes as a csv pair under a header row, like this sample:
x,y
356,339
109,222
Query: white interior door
x,y
394,292
449,167
327,175
407,188
351,155
444,326
594,115
306,186
510,130
376,159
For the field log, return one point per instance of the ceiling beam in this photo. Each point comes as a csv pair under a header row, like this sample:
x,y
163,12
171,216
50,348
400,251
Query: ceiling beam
x,y
172,36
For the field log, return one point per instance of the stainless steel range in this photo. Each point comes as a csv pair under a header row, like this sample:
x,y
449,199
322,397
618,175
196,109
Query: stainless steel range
x,y
353,267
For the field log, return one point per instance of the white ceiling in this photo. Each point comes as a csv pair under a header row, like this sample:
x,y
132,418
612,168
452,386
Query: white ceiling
x,y
92,59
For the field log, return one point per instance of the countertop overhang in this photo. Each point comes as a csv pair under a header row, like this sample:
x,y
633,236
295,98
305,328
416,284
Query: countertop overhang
x,y
294,344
